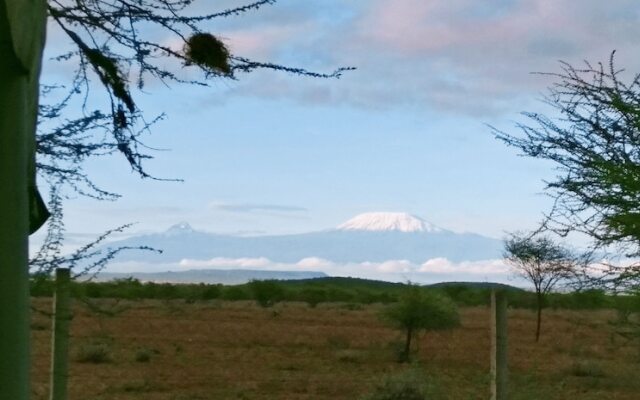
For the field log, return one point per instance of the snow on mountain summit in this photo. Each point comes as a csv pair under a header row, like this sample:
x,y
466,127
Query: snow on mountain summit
x,y
387,221
180,228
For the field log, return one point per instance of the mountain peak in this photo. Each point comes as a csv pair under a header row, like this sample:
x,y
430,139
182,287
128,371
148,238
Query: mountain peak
x,y
387,221
180,228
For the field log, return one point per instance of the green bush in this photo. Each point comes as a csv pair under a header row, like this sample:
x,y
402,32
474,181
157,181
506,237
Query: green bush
x,y
40,325
95,353
417,310
93,290
234,293
143,355
266,293
210,292
590,299
627,304
313,296
41,285
587,368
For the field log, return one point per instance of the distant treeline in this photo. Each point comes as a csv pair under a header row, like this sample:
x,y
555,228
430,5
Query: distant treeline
x,y
325,290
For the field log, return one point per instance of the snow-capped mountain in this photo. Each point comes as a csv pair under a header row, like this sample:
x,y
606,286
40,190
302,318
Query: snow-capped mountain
x,y
179,229
371,237
388,221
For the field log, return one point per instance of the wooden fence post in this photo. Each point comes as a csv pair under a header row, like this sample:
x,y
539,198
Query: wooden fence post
x,y
60,335
499,366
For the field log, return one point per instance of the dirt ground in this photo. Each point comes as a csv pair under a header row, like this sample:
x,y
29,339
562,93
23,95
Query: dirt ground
x,y
160,350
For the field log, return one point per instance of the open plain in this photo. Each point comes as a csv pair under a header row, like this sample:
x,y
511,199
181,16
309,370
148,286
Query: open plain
x,y
173,350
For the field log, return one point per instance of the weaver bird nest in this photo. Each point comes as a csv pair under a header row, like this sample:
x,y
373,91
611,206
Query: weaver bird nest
x,y
209,52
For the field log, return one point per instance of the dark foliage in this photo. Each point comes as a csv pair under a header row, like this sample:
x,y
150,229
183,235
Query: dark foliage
x,y
462,295
266,293
420,310
595,146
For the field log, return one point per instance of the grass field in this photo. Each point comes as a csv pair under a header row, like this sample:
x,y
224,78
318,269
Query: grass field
x,y
171,350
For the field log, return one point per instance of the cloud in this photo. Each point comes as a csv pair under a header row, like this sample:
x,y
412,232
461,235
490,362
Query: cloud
x,y
444,266
433,270
395,266
315,263
458,56
254,208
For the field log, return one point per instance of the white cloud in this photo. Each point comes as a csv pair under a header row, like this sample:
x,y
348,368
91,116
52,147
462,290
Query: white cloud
x,y
453,55
396,266
314,263
433,270
484,267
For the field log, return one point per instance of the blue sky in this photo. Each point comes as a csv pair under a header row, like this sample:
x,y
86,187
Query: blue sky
x,y
406,131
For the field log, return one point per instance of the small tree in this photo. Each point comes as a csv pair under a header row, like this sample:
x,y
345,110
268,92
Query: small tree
x,y
266,293
540,261
419,310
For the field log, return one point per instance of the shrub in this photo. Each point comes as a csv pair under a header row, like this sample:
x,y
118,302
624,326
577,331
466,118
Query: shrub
x,y
313,296
418,310
587,368
143,355
95,353
40,325
590,299
234,293
93,290
210,292
266,293
41,285
626,306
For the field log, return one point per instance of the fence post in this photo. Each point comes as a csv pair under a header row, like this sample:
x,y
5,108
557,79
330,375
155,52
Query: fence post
x,y
499,366
60,335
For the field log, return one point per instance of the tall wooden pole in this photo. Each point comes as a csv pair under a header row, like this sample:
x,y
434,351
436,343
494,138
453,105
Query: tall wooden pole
x,y
499,335
60,335
22,26
14,289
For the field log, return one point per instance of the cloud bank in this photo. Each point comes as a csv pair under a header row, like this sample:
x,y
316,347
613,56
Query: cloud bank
x,y
459,56
433,270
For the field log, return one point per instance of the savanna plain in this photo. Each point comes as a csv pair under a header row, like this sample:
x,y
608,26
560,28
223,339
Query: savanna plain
x,y
176,350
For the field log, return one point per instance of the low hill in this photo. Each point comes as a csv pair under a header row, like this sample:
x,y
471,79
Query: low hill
x,y
223,276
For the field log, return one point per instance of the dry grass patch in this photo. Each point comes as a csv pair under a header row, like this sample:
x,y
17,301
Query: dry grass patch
x,y
237,350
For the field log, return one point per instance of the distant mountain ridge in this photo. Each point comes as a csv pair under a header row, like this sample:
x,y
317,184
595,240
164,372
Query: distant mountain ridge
x,y
224,276
370,237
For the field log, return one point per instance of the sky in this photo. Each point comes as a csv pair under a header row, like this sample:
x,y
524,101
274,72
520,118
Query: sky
x,y
407,131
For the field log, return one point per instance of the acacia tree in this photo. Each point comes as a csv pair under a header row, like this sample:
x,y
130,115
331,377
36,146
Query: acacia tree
x,y
542,262
418,310
594,142
113,44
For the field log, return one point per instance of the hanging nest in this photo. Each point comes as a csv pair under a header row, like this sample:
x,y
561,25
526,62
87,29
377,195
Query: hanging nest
x,y
208,52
